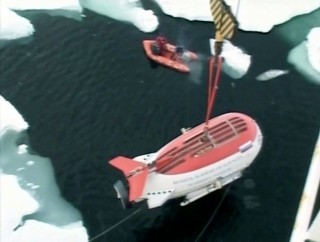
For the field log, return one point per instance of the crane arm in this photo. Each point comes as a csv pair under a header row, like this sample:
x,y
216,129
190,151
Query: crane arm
x,y
225,26
224,21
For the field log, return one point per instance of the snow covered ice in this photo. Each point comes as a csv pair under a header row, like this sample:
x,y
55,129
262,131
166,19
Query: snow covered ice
x,y
236,62
12,196
10,118
313,48
251,15
13,26
72,5
127,11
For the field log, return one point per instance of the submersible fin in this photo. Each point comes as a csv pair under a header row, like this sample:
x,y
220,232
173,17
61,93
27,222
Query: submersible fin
x,y
136,174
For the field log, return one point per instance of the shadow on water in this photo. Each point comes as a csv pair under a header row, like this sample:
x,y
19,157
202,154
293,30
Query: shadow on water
x,y
153,64
186,223
21,41
71,14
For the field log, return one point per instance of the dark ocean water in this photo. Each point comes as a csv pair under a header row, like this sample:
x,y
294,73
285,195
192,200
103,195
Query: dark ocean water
x,y
89,94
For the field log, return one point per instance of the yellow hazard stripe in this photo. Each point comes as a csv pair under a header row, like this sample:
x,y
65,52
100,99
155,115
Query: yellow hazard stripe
x,y
223,19
216,12
227,27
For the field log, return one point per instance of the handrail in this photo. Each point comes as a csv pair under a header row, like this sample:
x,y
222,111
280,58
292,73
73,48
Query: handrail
x,y
301,225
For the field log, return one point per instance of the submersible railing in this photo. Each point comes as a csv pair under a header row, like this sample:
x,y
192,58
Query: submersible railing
x,y
303,229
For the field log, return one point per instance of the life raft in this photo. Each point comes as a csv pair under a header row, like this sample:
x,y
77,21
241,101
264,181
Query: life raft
x,y
171,56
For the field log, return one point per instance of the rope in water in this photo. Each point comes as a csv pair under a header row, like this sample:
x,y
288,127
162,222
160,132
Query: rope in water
x,y
116,225
139,210
212,216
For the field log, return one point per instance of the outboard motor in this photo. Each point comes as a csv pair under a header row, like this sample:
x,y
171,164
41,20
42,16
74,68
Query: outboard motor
x,y
184,55
181,53
179,50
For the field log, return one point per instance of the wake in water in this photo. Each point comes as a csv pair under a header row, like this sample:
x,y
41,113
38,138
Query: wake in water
x,y
196,69
182,39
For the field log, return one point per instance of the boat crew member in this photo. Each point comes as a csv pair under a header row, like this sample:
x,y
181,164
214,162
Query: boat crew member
x,y
161,43
176,56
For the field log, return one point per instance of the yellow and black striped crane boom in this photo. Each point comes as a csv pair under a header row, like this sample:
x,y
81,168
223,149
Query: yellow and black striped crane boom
x,y
224,21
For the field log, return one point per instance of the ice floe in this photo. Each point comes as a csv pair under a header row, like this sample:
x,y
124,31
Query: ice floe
x,y
125,10
236,62
10,118
313,48
13,26
15,203
28,187
306,56
36,231
72,5
271,74
250,15
259,16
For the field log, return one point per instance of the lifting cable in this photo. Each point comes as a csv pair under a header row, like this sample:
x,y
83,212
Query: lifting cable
x,y
116,225
225,26
215,66
212,215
